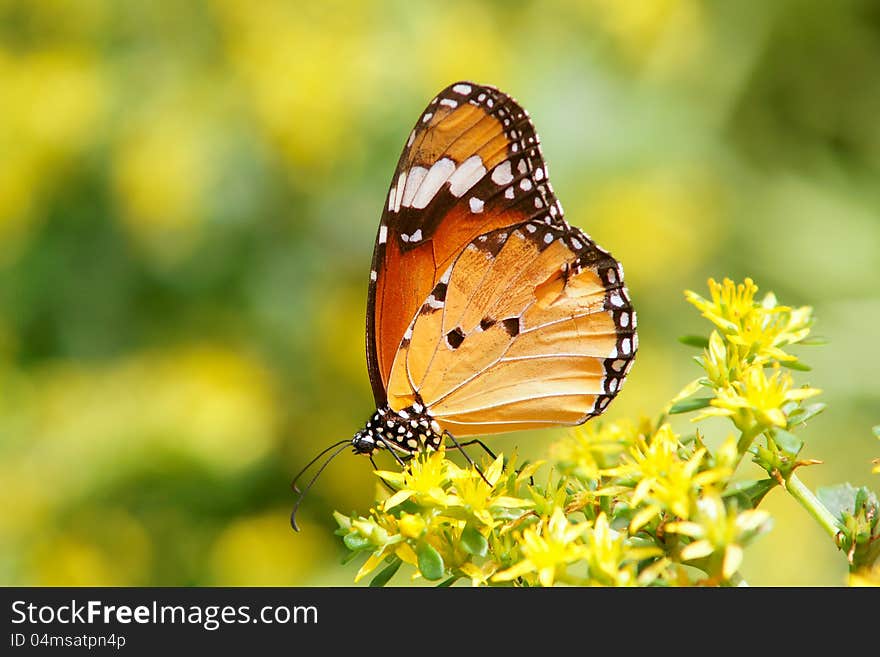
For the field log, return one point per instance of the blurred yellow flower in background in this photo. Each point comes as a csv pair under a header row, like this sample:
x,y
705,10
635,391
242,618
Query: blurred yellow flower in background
x,y
663,225
261,550
160,178
53,103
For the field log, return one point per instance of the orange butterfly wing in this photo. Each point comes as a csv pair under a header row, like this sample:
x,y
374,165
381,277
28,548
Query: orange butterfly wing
x,y
471,165
528,328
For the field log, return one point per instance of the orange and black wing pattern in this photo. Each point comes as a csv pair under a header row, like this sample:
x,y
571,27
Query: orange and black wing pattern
x,y
485,306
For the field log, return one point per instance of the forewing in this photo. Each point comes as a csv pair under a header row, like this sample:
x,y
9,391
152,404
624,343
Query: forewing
x,y
472,165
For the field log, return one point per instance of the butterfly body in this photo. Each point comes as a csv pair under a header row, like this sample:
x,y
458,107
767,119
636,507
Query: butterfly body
x,y
407,430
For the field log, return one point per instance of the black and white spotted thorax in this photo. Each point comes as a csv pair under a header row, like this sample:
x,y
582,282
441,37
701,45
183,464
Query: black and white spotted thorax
x,y
409,430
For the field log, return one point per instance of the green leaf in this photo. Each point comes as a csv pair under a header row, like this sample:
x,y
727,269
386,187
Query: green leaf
x,y
695,341
796,365
805,414
839,499
790,444
448,582
688,405
473,542
751,492
356,542
381,579
430,562
814,340
348,557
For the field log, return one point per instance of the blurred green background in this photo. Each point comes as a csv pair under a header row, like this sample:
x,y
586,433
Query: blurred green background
x,y
189,194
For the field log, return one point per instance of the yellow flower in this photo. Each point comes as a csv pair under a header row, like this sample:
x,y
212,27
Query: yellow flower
x,y
548,548
610,560
868,576
755,332
770,327
479,575
667,481
424,479
757,396
590,448
730,303
720,368
717,531
472,496
411,526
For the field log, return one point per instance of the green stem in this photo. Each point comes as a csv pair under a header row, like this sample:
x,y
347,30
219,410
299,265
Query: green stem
x,y
745,441
814,507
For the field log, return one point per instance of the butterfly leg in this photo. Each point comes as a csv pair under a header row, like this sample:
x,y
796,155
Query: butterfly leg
x,y
402,460
384,483
393,451
477,441
458,446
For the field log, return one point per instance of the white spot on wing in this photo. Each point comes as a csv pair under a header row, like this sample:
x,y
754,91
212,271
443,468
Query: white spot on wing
x,y
437,175
398,197
383,234
502,174
525,184
463,89
427,117
449,102
476,204
466,175
413,180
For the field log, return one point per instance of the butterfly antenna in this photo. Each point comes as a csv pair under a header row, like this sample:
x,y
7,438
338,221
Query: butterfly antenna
x,y
341,446
468,456
311,463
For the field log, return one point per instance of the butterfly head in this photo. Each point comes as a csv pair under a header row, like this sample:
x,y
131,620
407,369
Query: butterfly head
x,y
364,442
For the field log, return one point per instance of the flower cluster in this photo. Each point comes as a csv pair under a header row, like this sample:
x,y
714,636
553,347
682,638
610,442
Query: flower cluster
x,y
630,503
747,343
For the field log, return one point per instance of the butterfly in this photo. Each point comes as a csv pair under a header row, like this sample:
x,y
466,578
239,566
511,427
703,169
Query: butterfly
x,y
486,311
